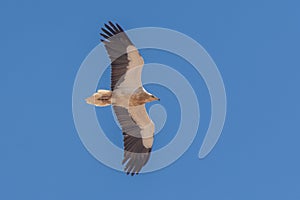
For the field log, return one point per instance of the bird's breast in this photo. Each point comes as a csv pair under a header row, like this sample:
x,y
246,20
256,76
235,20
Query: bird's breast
x,y
127,97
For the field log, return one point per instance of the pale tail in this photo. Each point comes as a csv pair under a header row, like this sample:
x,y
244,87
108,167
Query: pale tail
x,y
100,98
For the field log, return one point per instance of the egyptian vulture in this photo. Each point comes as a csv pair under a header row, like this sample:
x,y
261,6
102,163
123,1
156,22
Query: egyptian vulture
x,y
127,97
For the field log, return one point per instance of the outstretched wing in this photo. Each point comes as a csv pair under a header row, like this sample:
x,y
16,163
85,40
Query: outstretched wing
x,y
138,131
126,62
137,127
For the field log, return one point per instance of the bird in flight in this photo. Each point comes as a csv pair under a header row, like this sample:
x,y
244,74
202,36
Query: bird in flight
x,y
127,97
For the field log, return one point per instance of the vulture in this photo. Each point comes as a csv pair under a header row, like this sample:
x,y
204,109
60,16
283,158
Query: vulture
x,y
127,97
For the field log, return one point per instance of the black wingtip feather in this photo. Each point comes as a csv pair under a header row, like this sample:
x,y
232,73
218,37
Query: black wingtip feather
x,y
103,35
106,32
110,29
120,28
114,27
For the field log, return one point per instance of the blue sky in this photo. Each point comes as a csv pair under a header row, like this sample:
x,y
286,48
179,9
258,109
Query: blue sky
x,y
255,45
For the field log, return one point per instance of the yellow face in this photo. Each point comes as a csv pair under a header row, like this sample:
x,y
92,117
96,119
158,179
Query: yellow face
x,y
153,98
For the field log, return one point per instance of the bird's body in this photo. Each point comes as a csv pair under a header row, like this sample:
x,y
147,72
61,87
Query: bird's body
x,y
120,98
128,98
